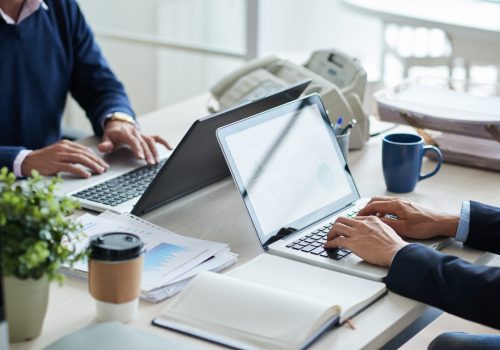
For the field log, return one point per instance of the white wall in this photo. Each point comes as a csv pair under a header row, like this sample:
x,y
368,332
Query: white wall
x,y
217,24
303,26
156,77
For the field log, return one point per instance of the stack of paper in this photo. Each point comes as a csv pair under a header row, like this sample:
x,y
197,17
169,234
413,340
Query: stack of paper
x,y
170,259
476,152
467,115
420,104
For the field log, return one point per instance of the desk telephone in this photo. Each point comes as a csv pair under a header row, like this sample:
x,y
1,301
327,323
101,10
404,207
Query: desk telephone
x,y
337,78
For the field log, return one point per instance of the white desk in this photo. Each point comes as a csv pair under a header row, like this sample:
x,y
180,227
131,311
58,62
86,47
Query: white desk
x,y
217,213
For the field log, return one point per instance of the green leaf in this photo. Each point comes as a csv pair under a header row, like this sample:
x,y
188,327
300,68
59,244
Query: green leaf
x,y
35,235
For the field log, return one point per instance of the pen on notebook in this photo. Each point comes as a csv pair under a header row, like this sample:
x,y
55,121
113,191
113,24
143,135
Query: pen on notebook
x,y
339,122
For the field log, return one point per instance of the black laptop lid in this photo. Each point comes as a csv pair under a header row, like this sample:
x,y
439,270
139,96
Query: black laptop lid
x,y
296,174
198,161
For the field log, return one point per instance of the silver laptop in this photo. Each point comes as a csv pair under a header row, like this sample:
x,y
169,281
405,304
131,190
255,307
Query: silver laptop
x,y
195,163
294,181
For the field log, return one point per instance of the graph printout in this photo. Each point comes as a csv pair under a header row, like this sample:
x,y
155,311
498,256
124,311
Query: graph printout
x,y
168,255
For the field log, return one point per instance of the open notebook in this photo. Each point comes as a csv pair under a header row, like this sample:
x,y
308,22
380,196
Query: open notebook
x,y
268,303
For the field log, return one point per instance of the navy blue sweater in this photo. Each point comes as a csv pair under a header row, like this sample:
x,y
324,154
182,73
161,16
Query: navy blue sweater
x,y
47,55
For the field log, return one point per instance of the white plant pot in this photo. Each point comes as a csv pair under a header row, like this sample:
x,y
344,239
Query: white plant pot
x,y
26,304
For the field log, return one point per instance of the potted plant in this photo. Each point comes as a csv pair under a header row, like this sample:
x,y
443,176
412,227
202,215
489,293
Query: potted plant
x,y
36,238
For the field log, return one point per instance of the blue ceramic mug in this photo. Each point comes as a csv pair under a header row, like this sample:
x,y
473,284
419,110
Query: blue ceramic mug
x,y
402,156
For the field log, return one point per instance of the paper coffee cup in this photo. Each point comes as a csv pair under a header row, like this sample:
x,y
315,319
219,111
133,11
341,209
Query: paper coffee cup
x,y
115,266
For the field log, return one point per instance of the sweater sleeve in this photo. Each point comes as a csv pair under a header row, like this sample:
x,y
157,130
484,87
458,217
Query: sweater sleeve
x,y
447,282
8,155
93,84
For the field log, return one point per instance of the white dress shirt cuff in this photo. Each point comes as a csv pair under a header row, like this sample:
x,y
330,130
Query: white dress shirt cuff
x,y
464,223
19,160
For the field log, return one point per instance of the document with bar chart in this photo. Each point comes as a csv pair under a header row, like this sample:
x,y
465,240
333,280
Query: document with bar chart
x,y
168,255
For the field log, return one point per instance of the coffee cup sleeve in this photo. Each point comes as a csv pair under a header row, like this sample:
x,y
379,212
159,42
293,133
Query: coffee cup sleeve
x,y
115,282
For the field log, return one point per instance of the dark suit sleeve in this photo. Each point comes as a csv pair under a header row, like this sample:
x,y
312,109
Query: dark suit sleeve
x,y
447,282
93,84
484,227
7,156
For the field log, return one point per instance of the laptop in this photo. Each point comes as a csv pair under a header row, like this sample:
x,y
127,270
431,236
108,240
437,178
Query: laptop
x,y
195,163
295,182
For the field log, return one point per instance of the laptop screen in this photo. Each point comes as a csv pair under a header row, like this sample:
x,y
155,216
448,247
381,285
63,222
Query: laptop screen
x,y
288,166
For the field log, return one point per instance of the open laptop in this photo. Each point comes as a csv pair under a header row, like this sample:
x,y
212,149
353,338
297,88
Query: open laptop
x,y
295,182
195,163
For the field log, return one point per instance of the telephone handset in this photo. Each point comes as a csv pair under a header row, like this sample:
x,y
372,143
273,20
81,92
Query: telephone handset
x,y
338,79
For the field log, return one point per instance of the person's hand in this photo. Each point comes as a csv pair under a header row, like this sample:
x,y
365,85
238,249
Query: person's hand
x,y
367,237
411,220
63,156
117,133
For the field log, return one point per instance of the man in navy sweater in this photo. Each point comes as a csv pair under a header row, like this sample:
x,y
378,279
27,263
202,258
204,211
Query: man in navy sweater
x,y
418,272
47,50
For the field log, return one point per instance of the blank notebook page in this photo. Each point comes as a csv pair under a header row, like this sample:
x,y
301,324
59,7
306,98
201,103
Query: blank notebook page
x,y
254,314
349,292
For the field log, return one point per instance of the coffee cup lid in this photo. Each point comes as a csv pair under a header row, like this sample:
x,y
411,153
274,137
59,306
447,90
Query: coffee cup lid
x,y
115,246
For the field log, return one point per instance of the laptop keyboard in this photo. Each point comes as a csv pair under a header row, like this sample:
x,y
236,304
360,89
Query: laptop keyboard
x,y
313,242
122,188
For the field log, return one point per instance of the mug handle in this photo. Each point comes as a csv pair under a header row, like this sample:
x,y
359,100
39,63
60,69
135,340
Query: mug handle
x,y
439,156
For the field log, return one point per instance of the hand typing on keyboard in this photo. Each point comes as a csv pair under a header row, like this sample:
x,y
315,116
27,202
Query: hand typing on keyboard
x,y
71,157
66,156
366,236
118,133
411,220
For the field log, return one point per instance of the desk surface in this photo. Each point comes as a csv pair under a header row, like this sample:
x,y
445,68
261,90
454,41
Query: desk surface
x,y
217,213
